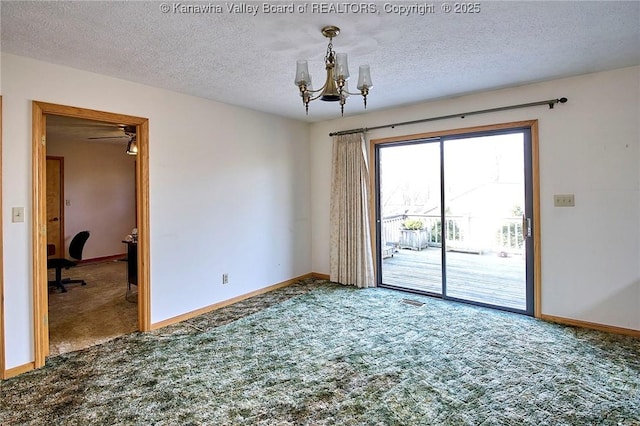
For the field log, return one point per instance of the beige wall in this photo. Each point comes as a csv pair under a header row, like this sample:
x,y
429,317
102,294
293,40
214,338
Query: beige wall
x,y
589,147
99,184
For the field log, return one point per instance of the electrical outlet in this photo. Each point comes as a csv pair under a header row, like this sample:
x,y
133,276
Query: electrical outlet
x,y
564,200
225,278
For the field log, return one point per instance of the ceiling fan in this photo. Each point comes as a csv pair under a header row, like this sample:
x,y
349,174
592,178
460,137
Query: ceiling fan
x,y
128,132
62,128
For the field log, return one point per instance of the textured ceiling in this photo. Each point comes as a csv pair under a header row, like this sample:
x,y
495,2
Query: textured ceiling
x,y
68,129
248,60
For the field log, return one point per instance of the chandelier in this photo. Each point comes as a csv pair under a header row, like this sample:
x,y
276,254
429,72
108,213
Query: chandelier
x,y
335,88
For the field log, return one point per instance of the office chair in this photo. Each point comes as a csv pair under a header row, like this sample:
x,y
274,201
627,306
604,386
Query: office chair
x,y
75,251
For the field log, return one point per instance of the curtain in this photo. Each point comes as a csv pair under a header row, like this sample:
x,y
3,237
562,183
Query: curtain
x,y
351,258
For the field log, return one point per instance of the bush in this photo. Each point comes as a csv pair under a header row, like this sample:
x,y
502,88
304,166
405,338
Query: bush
x,y
413,224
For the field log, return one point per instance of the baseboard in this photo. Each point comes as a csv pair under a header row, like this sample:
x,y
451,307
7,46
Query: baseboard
x,y
222,304
320,276
555,319
103,258
15,371
591,325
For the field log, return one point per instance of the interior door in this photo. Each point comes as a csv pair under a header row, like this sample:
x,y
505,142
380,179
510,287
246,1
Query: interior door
x,y
55,206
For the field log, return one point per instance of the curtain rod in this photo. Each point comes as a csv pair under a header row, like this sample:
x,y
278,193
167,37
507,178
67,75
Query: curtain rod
x,y
550,102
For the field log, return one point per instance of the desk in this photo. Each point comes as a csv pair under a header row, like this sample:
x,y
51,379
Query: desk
x,y
132,264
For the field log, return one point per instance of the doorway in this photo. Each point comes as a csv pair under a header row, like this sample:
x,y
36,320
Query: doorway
x,y
96,194
39,219
455,215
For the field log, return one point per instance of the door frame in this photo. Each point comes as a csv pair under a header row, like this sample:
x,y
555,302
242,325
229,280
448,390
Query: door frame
x,y
61,196
38,222
3,373
535,174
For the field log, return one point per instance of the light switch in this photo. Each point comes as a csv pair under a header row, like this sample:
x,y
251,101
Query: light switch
x,y
564,200
67,203
17,214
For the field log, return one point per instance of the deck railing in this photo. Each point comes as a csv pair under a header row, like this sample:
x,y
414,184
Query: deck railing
x,y
463,233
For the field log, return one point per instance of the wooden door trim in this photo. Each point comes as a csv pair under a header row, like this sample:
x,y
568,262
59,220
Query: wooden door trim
x,y
535,172
61,218
39,245
537,219
3,373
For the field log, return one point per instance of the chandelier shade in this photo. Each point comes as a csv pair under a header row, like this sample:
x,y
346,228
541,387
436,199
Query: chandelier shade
x,y
364,77
335,87
302,73
342,67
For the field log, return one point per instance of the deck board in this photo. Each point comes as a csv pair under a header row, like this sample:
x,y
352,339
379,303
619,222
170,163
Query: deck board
x,y
485,278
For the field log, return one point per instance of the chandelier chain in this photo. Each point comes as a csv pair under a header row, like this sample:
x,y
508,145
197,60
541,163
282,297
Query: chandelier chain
x,y
329,49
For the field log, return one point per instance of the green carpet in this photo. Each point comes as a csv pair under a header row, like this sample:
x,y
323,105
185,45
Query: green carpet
x,y
321,354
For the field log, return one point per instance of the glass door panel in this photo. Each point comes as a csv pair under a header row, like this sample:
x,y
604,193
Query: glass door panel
x,y
409,215
484,199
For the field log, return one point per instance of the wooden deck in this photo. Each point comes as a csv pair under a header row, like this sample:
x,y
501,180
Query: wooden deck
x,y
485,278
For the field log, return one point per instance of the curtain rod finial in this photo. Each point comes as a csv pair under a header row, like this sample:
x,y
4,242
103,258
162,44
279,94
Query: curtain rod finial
x,y
557,101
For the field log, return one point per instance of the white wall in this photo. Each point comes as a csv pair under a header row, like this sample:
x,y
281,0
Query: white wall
x,y
229,189
588,147
99,183
229,192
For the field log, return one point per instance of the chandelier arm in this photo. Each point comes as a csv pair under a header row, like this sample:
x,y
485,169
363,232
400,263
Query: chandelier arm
x,y
319,90
316,97
354,94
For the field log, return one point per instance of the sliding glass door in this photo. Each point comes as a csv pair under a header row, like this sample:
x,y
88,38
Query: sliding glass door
x,y
454,217
485,206
409,211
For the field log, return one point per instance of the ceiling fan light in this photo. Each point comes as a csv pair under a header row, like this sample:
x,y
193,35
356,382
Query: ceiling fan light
x,y
132,146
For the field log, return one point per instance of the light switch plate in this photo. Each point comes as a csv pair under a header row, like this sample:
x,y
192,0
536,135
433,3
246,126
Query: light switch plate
x,y
17,214
564,200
